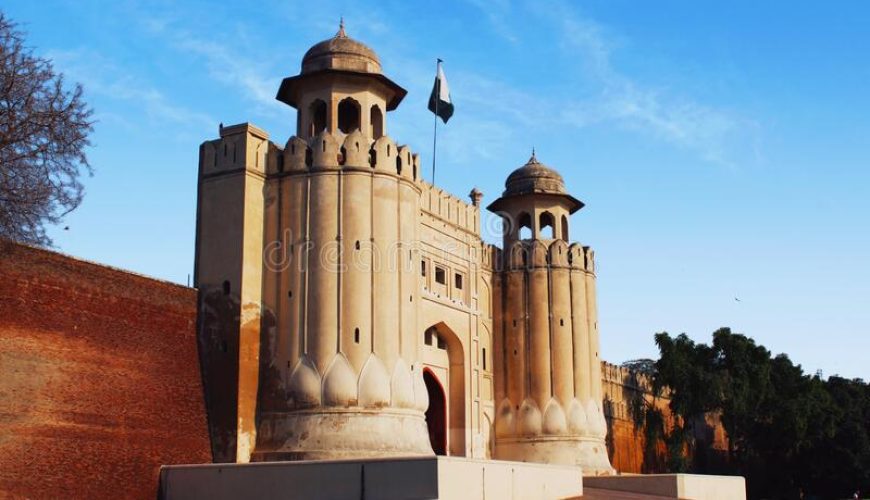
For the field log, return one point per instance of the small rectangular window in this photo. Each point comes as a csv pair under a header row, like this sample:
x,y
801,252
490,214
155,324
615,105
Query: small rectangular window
x,y
440,275
457,280
423,268
484,358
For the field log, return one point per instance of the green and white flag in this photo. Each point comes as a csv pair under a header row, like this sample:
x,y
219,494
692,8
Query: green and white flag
x,y
439,100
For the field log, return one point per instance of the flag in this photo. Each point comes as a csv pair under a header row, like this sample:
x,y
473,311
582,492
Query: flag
x,y
439,101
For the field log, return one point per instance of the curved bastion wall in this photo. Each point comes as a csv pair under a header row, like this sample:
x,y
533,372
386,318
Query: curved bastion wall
x,y
550,401
339,365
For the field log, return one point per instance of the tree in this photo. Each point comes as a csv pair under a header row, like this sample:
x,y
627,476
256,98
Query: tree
x,y
686,369
44,129
644,366
787,431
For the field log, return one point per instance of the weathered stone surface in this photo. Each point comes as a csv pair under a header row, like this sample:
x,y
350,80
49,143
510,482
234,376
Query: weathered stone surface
x,y
682,486
445,478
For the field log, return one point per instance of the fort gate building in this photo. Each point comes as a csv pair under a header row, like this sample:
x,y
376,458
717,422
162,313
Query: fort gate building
x,y
349,309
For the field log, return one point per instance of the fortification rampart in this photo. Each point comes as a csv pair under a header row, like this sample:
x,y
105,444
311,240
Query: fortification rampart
x,y
245,146
438,203
99,380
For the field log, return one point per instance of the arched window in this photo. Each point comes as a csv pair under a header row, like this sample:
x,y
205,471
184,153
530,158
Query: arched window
x,y
524,226
317,114
377,122
348,115
565,228
546,220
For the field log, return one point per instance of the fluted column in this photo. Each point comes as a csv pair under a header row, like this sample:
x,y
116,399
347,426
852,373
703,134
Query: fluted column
x,y
408,259
563,351
385,235
357,249
580,326
323,259
515,326
296,190
539,328
499,352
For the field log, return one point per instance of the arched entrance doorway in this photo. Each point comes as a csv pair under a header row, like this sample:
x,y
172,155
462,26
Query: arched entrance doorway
x,y
436,414
444,366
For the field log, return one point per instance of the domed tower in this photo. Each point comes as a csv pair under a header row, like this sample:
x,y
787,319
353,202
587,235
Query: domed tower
x,y
340,376
341,89
549,400
307,316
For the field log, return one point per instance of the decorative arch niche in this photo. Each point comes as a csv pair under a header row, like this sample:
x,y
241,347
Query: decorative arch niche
x,y
546,220
317,117
348,115
524,226
376,122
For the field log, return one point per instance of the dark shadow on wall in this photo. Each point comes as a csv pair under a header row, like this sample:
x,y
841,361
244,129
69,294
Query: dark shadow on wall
x,y
218,344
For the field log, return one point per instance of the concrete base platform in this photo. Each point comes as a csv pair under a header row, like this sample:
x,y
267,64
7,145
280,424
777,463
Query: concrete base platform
x,y
399,478
682,486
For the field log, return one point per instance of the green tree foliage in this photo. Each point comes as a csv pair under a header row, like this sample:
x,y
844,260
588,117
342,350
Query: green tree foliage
x,y
644,366
788,432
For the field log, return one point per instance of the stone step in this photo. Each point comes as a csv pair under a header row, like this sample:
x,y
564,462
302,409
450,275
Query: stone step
x,y
601,494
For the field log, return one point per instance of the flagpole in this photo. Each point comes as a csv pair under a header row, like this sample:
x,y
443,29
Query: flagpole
x,y
435,133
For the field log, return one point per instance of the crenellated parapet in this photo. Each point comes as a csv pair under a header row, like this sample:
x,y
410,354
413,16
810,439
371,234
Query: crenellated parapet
x,y
624,376
246,147
490,257
442,205
346,152
532,254
240,147
626,390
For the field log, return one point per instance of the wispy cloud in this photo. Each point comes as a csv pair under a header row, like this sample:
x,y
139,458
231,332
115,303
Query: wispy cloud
x,y
678,120
102,77
715,135
228,64
497,13
223,65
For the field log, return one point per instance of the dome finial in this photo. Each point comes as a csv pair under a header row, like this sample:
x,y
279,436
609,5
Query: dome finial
x,y
533,159
341,33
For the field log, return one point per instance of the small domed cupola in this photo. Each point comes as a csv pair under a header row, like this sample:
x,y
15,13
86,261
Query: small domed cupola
x,y
340,56
341,52
535,199
535,178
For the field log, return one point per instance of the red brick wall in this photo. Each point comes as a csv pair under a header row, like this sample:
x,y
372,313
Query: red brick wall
x,y
625,392
99,378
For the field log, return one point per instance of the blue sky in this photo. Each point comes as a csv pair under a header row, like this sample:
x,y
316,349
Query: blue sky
x,y
721,147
